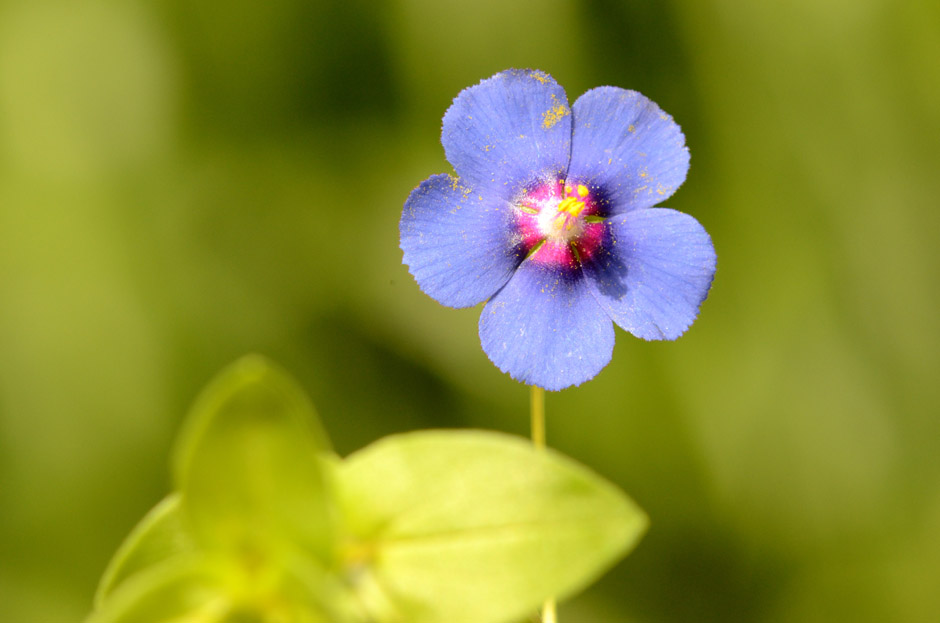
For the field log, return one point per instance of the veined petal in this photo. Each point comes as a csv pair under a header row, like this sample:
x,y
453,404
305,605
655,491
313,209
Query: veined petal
x,y
626,146
544,328
459,244
508,130
655,272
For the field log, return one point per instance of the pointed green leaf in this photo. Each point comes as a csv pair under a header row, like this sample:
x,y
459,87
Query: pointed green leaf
x,y
312,590
159,536
203,590
476,527
248,466
179,590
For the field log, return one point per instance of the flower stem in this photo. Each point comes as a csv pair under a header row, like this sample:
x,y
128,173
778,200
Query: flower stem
x,y
537,412
537,415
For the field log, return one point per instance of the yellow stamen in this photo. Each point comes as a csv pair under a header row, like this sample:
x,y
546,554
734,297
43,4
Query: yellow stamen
x,y
571,205
568,210
583,190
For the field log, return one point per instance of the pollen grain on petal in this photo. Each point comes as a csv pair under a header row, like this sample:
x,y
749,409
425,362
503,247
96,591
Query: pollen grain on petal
x,y
553,115
541,76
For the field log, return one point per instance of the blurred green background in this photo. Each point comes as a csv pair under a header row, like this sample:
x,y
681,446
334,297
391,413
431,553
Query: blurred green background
x,y
185,181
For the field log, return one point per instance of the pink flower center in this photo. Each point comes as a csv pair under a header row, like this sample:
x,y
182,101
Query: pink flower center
x,y
559,224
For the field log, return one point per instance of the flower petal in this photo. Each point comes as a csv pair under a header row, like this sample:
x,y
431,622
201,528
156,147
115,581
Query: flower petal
x,y
626,146
654,274
544,328
457,243
508,131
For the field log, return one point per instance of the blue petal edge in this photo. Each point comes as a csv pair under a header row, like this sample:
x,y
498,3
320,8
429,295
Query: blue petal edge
x,y
457,243
544,328
627,147
508,131
655,274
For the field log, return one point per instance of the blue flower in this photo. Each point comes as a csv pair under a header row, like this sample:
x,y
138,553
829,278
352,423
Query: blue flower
x,y
551,221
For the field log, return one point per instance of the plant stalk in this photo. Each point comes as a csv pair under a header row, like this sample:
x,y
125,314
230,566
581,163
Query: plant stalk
x,y
537,417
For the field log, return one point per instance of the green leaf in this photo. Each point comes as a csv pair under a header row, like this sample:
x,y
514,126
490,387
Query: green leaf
x,y
476,527
248,467
199,589
179,590
191,587
313,591
157,537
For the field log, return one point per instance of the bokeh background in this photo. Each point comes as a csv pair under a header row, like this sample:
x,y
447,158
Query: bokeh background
x,y
185,181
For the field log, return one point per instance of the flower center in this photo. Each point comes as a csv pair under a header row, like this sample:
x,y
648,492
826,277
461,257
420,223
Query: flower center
x,y
563,221
558,223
